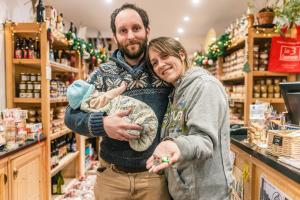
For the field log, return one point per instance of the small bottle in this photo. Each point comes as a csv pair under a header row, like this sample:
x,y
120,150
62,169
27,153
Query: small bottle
x,y
24,50
30,49
37,49
60,182
18,50
54,185
51,53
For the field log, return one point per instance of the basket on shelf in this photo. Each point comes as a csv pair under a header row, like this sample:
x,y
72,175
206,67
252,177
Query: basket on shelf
x,y
265,16
284,143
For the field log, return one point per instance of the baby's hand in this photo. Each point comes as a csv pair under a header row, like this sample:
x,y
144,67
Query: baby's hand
x,y
117,91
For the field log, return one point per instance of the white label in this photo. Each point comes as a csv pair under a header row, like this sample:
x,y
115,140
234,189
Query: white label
x,y
48,73
257,112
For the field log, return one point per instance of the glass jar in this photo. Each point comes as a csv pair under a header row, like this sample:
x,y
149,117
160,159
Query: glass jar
x,y
29,94
22,94
36,94
269,81
270,88
22,85
24,76
263,88
38,77
33,77
37,85
276,89
29,85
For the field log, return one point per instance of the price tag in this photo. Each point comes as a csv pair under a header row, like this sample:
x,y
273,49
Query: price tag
x,y
48,73
257,112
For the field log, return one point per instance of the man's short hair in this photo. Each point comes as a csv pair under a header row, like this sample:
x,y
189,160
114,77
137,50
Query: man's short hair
x,y
142,13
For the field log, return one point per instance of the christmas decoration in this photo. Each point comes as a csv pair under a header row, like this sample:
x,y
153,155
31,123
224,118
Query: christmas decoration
x,y
215,50
83,47
289,14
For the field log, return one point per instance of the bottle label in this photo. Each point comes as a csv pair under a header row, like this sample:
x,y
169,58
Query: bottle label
x,y
30,54
18,54
25,54
54,188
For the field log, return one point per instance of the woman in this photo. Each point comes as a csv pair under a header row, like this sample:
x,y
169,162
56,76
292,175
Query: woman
x,y
195,147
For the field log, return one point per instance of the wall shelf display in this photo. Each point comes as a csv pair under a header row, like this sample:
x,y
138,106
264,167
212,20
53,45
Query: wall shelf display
x,y
253,49
35,81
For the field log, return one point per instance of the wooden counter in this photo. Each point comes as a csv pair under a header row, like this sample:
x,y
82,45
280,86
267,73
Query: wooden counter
x,y
22,172
257,171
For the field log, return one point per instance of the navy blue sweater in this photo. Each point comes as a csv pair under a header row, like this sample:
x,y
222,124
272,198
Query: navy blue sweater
x,y
142,85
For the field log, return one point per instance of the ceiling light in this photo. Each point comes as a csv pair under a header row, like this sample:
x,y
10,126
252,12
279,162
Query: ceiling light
x,y
176,38
195,1
108,1
186,18
180,30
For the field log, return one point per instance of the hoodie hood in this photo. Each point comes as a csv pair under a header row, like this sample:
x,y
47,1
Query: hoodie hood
x,y
188,78
136,71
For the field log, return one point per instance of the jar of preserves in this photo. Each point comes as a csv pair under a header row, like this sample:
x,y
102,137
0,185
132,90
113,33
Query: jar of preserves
x,y
24,76
22,85
32,77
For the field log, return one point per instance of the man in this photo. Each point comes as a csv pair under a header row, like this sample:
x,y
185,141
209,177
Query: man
x,y
123,173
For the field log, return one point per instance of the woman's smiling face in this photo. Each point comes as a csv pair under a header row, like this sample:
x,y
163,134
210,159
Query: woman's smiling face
x,y
166,67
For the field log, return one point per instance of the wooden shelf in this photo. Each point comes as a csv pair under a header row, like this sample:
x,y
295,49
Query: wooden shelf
x,y
64,162
235,76
265,35
53,136
27,100
62,68
68,183
270,100
59,100
240,122
29,62
237,100
60,41
38,100
236,45
267,73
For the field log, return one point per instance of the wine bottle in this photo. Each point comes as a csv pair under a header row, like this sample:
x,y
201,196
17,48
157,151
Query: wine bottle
x,y
40,11
60,182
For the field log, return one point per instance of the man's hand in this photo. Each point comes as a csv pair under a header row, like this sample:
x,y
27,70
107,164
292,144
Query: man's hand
x,y
165,154
116,128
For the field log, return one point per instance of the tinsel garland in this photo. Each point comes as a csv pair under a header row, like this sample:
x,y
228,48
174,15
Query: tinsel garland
x,y
215,50
83,47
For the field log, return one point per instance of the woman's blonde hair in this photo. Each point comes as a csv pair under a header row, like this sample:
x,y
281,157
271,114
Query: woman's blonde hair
x,y
167,46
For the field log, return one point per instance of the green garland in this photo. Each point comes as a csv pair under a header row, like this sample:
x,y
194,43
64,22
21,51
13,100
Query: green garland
x,y
82,47
215,50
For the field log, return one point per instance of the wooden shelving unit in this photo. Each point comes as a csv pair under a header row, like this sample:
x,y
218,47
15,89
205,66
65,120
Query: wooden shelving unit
x,y
72,163
64,162
247,79
62,68
65,131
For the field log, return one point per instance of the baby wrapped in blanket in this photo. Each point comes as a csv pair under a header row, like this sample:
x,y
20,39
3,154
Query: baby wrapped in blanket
x,y
83,95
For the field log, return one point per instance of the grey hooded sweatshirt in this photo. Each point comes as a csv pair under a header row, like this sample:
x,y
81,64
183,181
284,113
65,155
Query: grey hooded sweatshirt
x,y
197,120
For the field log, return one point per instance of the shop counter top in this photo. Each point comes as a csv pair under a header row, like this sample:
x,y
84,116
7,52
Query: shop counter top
x,y
261,154
27,144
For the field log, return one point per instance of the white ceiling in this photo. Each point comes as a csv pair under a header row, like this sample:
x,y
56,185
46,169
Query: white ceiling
x,y
165,15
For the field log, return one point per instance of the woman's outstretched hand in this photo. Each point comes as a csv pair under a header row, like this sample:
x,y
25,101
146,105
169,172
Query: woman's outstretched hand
x,y
165,155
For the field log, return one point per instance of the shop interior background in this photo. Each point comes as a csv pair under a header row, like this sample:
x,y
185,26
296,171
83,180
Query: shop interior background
x,y
92,16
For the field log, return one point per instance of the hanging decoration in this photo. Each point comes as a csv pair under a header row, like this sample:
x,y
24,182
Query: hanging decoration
x,y
83,47
289,14
215,50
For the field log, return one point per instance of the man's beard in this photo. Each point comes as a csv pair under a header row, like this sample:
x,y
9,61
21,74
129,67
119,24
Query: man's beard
x,y
142,47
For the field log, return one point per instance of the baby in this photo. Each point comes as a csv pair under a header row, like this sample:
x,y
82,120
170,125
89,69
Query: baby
x,y
83,95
